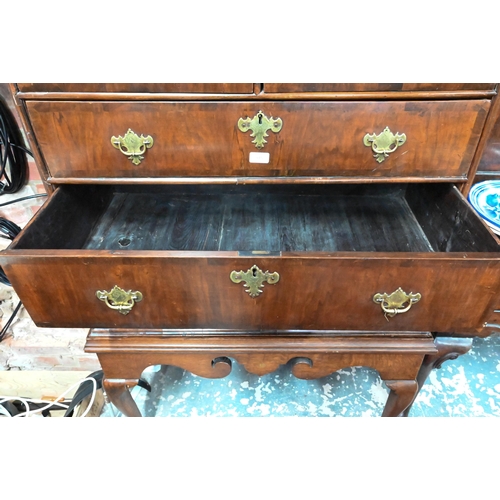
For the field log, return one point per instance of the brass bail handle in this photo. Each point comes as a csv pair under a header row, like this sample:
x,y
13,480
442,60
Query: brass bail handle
x,y
384,143
119,299
132,145
397,302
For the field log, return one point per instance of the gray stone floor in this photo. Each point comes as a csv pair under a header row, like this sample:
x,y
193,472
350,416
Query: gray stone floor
x,y
466,387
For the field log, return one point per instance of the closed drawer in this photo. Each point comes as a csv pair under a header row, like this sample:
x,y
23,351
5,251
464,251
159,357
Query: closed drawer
x,y
376,87
196,88
334,249
317,139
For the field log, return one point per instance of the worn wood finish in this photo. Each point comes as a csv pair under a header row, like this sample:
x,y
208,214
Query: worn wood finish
x,y
220,88
186,290
179,248
147,181
374,87
449,223
258,95
334,246
125,354
317,138
266,222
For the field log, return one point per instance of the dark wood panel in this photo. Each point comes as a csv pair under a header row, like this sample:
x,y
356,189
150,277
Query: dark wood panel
x,y
373,87
203,140
209,88
490,160
190,291
258,222
448,220
294,218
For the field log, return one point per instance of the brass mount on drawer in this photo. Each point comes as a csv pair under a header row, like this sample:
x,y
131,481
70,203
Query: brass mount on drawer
x,y
384,143
259,125
397,302
132,145
254,280
119,299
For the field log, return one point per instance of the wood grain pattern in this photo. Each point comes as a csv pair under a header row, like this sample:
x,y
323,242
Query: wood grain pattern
x,y
373,87
183,248
202,139
315,292
220,88
422,95
125,354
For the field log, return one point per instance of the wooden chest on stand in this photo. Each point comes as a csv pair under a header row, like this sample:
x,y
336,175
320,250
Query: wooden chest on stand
x,y
320,225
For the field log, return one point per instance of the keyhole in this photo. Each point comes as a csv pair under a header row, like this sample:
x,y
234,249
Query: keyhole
x,y
254,272
260,122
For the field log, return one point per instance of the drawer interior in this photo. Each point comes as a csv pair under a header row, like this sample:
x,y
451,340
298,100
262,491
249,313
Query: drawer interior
x,y
308,218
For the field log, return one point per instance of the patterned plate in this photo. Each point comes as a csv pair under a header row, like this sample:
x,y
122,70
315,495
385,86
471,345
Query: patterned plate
x,y
485,198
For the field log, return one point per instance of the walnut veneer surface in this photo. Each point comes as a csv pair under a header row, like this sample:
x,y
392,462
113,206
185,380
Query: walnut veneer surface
x,y
337,220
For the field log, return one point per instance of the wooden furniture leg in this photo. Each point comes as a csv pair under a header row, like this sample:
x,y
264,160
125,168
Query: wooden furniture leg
x,y
447,348
402,394
118,393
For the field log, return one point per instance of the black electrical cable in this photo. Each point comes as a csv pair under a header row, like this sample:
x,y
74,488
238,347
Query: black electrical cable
x,y
9,230
13,163
41,195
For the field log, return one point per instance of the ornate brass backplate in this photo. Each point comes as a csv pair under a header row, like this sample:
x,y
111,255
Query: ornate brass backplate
x,y
259,125
384,143
132,145
397,302
119,299
254,280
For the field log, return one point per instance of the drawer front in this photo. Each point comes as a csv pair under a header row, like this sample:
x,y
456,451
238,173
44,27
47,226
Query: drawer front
x,y
196,88
312,293
331,139
376,87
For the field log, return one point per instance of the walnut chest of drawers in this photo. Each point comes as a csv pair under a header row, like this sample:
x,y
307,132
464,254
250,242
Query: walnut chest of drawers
x,y
323,225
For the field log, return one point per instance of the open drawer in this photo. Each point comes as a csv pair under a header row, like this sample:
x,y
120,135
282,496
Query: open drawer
x,y
250,257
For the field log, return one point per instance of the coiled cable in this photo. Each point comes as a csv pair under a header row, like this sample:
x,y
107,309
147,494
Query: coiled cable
x,y
13,163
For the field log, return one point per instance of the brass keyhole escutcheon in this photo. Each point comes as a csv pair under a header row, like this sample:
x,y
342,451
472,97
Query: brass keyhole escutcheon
x,y
119,299
260,124
397,302
254,280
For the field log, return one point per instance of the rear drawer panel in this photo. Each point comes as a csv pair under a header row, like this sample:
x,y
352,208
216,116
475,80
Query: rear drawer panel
x,y
203,140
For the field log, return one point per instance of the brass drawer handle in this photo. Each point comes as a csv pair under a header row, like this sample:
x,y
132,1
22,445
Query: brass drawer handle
x,y
384,143
132,146
397,302
254,279
119,299
259,125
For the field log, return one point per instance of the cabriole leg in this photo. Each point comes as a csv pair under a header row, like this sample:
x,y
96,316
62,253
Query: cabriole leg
x,y
402,394
118,394
447,348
